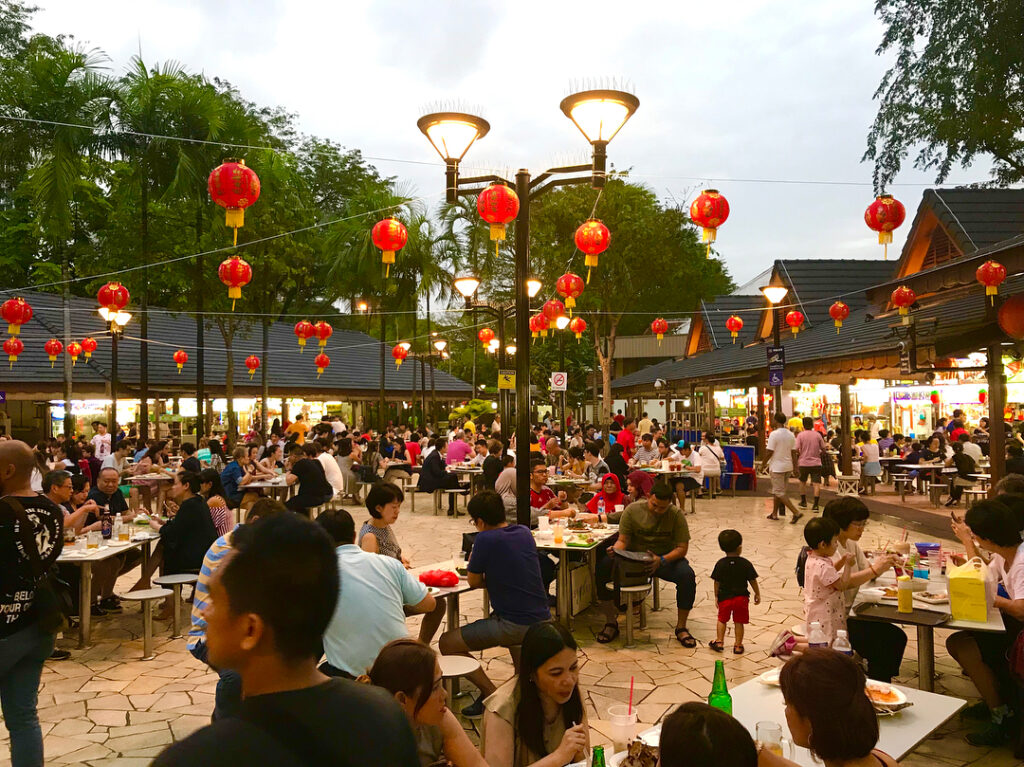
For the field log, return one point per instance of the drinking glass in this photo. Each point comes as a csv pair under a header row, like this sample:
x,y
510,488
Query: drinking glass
x,y
80,543
544,522
93,539
623,725
769,735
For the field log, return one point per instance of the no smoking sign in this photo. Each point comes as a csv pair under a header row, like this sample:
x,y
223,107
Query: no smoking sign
x,y
559,381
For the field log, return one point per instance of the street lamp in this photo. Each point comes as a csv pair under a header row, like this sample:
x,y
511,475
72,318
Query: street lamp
x,y
440,344
467,285
561,322
775,294
510,349
533,286
599,114
116,320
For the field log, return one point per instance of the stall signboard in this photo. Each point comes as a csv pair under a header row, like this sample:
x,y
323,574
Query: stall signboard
x,y
731,412
912,395
776,365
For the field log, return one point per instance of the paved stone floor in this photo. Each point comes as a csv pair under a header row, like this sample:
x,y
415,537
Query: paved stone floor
x,y
107,707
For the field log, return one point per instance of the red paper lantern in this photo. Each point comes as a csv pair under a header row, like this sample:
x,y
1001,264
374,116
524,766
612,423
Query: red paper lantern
x,y
1010,317
570,287
497,205
399,353
88,346
304,330
53,349
538,325
15,312
253,363
74,349
322,361
883,215
578,326
659,327
113,296
553,309
593,238
991,274
180,357
234,187
236,273
486,335
903,298
709,211
734,325
794,319
323,332
934,397
389,235
839,312
12,348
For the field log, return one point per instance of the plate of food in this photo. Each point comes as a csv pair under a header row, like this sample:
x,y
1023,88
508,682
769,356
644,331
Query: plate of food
x,y
933,597
637,754
462,572
884,695
882,592
770,677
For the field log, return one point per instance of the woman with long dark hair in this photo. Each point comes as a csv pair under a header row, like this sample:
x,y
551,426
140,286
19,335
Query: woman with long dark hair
x,y
409,670
536,719
212,489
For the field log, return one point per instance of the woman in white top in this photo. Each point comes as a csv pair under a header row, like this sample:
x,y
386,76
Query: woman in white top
x,y
711,457
982,655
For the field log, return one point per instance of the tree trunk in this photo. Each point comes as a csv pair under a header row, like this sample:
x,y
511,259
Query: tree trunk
x,y
227,331
201,412
65,274
144,322
604,358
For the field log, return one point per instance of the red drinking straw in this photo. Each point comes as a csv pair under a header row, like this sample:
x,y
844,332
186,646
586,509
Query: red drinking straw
x,y
629,712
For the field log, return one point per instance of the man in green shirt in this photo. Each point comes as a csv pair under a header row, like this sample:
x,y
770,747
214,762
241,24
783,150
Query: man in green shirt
x,y
657,526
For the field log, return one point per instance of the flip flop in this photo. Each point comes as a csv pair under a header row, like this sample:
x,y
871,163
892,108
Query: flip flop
x,y
716,646
688,641
605,636
737,650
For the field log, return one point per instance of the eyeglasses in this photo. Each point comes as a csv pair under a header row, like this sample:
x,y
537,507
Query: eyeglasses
x,y
860,523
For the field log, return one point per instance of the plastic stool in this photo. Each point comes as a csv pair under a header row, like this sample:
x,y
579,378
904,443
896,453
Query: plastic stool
x,y
147,597
631,593
175,582
453,667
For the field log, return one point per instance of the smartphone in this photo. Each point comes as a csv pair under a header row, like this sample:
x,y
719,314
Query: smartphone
x,y
955,518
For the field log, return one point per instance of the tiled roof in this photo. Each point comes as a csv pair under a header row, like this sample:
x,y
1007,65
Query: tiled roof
x,y
977,218
355,356
718,311
814,282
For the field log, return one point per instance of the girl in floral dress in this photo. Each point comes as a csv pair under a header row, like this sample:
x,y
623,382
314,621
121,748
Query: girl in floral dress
x,y
824,579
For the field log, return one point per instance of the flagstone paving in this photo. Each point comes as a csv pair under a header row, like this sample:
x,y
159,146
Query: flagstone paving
x,y
107,707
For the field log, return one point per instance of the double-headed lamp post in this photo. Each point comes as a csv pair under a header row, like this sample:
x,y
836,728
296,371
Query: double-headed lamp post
x,y
776,294
599,115
116,321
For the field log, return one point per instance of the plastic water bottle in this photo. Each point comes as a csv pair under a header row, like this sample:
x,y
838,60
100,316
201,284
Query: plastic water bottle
x,y
816,637
118,526
842,643
600,507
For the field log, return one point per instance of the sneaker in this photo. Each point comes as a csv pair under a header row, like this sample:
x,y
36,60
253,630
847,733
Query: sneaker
x,y
978,711
474,710
60,655
111,605
803,503
97,612
992,734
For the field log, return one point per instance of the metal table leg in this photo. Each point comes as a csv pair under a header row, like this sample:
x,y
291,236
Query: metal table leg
x,y
563,589
926,658
85,605
452,617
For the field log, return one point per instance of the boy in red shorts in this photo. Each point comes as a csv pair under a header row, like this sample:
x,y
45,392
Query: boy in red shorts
x,y
731,575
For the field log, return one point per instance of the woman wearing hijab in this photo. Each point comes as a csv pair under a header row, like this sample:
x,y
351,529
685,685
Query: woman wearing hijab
x,y
617,463
638,485
607,498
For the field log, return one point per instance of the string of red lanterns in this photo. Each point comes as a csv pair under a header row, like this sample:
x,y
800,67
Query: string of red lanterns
x,y
709,211
578,326
15,312
235,273
991,274
539,325
399,353
321,361
13,346
903,298
323,332
88,346
53,348
304,330
794,319
486,335
659,327
74,349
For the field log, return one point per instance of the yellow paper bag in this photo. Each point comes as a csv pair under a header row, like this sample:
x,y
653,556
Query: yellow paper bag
x,y
967,591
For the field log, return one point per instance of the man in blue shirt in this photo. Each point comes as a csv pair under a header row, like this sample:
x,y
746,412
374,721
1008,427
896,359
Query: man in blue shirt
x,y
504,561
234,476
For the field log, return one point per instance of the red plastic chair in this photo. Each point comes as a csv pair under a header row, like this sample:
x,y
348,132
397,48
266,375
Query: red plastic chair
x,y
747,471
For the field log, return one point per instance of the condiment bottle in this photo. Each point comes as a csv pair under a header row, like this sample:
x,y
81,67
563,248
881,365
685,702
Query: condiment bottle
x,y
905,594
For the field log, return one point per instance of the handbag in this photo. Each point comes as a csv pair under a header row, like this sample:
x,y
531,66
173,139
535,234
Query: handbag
x,y
53,598
630,568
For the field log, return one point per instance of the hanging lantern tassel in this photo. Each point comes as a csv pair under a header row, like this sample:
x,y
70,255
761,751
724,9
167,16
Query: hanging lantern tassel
x,y
590,261
387,258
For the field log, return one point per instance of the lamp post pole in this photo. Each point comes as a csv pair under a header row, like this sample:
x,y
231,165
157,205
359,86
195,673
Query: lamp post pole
x,y
381,416
113,377
522,271
777,338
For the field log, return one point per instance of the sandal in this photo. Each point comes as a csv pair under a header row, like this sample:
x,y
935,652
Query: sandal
x,y
716,646
605,636
773,515
737,649
688,641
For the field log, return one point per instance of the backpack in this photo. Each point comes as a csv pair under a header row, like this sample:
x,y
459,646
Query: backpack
x,y
801,564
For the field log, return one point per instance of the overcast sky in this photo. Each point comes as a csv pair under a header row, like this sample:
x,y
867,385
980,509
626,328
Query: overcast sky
x,y
733,90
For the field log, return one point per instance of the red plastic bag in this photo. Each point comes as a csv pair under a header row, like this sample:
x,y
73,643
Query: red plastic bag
x,y
439,578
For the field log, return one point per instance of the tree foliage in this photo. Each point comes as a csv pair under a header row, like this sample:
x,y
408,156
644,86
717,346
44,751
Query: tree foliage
x,y
955,90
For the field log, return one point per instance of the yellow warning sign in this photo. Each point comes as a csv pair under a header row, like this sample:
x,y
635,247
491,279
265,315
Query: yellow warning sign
x,y
506,379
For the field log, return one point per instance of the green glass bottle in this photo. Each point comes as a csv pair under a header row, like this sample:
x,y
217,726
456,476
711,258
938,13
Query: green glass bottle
x,y
720,697
598,760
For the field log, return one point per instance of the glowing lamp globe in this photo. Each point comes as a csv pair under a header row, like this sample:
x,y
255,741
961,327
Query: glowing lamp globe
x,y
15,312
794,319
253,363
838,312
322,361
235,273
180,358
570,287
234,187
734,325
304,330
389,236
12,348
53,348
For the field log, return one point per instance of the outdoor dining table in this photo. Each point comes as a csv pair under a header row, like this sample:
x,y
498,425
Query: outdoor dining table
x,y
451,594
85,558
898,734
278,487
563,588
926,626
473,472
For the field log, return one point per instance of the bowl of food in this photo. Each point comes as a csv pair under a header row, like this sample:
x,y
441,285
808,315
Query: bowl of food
x,y
884,696
637,754
770,677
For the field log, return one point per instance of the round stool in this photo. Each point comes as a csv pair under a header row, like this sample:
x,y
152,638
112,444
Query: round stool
x,y
147,597
176,582
454,666
632,592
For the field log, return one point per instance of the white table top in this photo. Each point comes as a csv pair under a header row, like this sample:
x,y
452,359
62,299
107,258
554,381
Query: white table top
x,y
898,735
561,479
268,483
465,469
600,536
107,550
158,476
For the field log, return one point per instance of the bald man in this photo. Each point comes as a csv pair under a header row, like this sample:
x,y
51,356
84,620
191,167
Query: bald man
x,y
24,642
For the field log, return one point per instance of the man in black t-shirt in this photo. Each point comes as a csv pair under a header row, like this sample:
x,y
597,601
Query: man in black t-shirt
x,y
269,605
314,489
492,464
25,642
